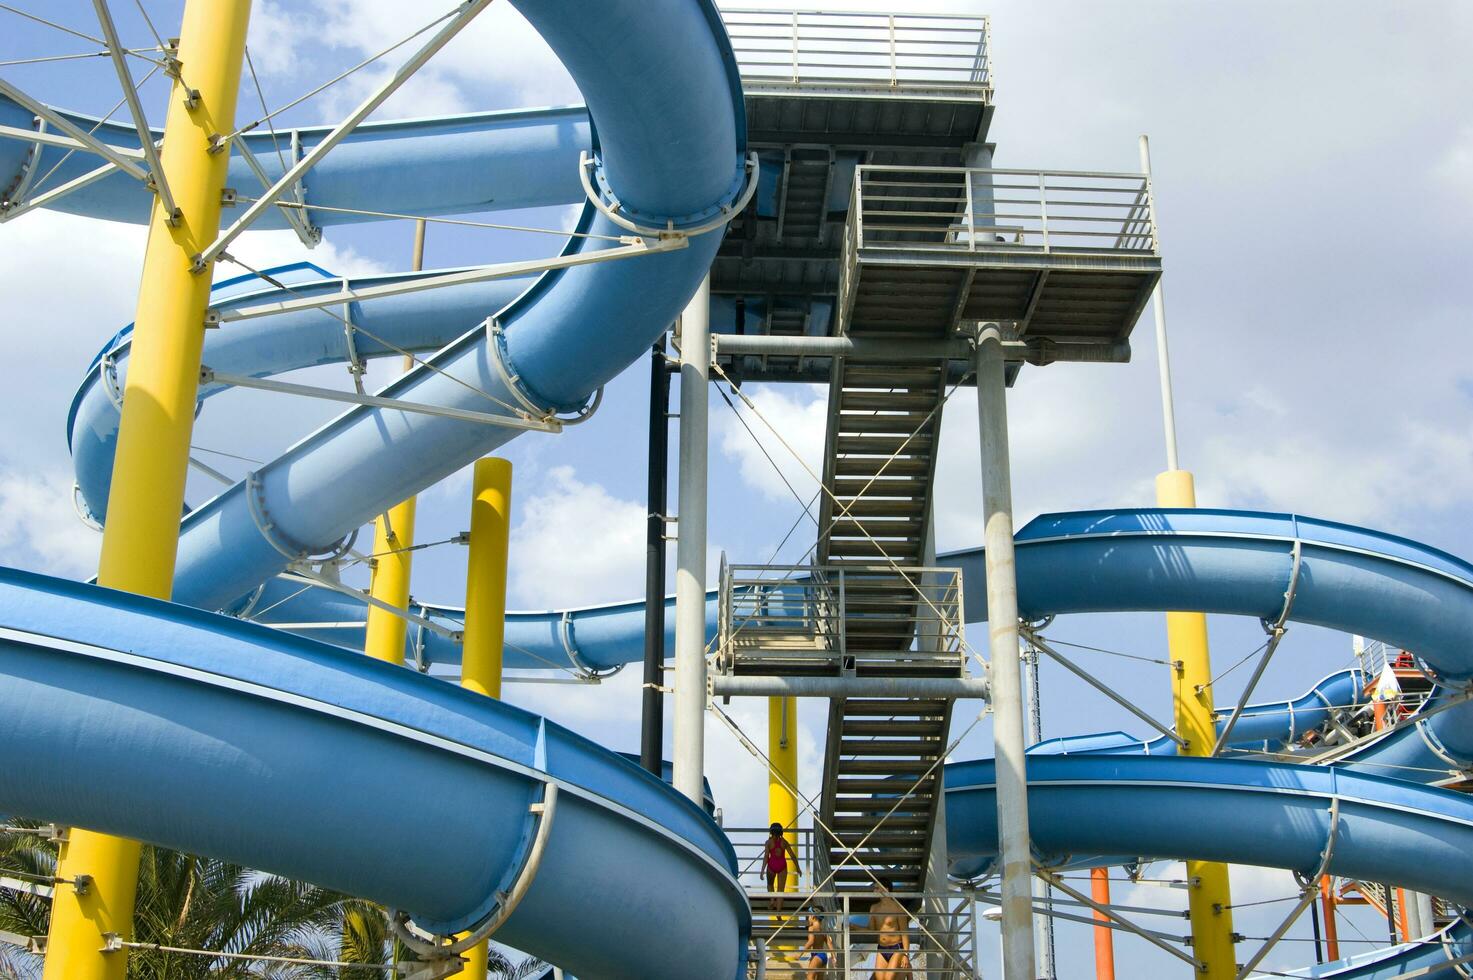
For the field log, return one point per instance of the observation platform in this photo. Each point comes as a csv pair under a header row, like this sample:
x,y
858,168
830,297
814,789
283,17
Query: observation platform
x,y
1069,258
826,92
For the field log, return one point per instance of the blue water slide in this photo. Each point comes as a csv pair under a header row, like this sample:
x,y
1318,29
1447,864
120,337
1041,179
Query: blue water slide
x,y
201,732
665,101
1243,563
475,162
1448,954
1274,815
276,344
1269,726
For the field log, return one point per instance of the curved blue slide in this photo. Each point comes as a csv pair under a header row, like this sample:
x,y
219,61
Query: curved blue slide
x,y
217,733
136,717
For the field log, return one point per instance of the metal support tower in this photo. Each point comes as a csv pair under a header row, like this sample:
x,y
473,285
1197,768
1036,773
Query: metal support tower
x,y
690,549
652,700
1007,676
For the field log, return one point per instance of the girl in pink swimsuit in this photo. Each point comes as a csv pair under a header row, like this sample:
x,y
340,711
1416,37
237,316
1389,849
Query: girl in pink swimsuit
x,y
775,853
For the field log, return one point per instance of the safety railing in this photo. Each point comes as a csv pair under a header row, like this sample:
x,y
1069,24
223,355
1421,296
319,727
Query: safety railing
x,y
845,617
963,209
939,942
881,53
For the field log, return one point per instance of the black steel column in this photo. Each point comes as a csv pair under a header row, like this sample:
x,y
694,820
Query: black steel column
x,y
652,725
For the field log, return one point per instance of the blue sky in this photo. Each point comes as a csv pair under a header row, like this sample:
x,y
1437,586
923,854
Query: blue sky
x,y
1314,178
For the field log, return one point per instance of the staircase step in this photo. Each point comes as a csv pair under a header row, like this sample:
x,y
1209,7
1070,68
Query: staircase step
x,y
887,767
850,466
921,747
920,728
892,706
895,821
885,401
875,527
896,444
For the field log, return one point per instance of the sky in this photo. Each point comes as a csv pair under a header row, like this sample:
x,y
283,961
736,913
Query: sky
x,y
1313,169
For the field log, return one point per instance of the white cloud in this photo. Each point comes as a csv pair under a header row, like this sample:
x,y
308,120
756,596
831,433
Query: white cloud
x,y
800,415
40,530
497,61
574,544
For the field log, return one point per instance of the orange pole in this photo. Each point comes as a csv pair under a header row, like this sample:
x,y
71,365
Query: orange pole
x,y
1099,888
1401,915
1332,940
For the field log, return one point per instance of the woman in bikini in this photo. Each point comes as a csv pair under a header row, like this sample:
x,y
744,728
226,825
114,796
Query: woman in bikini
x,y
775,854
820,948
891,925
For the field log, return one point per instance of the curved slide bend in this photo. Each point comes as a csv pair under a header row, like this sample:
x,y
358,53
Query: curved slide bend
x,y
216,734
211,735
665,100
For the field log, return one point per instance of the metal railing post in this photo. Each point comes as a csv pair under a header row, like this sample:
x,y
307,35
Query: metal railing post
x,y
894,73
844,944
1043,206
971,211
795,47
843,619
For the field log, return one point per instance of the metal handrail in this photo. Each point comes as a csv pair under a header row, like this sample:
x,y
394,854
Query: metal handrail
x,y
863,50
1000,210
946,918
808,613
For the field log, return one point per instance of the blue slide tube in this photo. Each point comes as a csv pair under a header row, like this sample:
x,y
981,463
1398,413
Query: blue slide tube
x,y
476,162
1266,814
1435,955
204,733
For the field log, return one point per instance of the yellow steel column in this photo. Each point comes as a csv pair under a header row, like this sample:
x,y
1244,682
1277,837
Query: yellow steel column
x,y
485,602
1186,636
782,777
389,579
139,544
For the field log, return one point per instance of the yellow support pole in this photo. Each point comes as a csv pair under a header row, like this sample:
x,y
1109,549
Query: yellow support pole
x,y
782,776
389,579
1209,898
485,603
139,544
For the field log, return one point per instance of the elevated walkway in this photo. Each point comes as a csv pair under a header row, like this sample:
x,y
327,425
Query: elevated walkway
x,y
1069,258
826,91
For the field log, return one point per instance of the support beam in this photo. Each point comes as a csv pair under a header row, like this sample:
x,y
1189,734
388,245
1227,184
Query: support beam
x,y
1099,890
135,109
467,12
485,608
208,376
1210,899
889,350
690,549
652,698
64,142
87,140
782,772
1007,676
744,686
393,534
139,544
502,270
1163,359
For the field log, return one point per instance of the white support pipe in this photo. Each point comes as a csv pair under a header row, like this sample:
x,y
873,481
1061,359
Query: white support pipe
x,y
89,141
1007,676
690,550
1163,359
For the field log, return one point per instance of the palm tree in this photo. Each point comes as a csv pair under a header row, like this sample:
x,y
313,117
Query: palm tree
x,y
194,903
501,968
